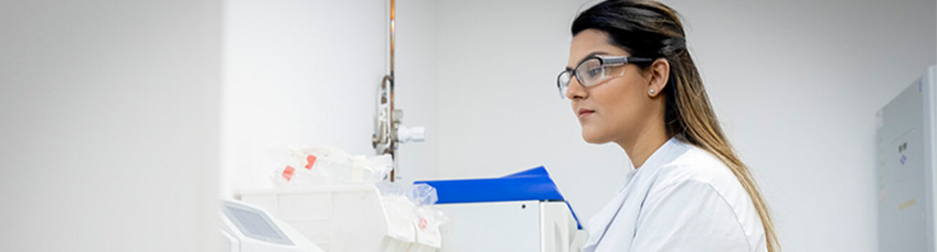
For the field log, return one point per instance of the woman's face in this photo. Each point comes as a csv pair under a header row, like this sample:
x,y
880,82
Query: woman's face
x,y
616,108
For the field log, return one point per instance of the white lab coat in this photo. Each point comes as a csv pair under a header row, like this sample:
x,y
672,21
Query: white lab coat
x,y
681,199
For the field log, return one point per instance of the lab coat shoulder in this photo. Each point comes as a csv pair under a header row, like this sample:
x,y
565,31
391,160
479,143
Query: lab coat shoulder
x,y
698,165
696,203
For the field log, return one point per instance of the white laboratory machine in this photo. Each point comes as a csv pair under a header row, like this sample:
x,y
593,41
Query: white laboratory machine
x,y
522,212
905,142
347,218
245,228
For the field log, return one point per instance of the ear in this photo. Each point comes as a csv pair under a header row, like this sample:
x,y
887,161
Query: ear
x,y
660,74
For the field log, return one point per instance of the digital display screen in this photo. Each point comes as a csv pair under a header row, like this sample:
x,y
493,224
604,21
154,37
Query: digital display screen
x,y
255,223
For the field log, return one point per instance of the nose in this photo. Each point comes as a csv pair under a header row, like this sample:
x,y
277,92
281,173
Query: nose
x,y
575,90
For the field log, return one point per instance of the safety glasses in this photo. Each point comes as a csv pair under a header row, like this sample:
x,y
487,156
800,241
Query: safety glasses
x,y
594,70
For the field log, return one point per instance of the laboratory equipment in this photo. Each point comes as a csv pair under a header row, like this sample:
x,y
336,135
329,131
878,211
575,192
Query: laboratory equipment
x,y
347,218
522,212
388,132
245,228
905,168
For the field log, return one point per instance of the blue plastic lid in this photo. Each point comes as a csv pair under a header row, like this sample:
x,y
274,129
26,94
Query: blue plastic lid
x,y
533,184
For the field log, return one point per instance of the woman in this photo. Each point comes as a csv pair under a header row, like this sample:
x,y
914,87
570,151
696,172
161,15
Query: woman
x,y
631,81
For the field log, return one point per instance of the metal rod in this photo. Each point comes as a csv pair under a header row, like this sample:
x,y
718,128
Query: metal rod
x,y
393,126
392,33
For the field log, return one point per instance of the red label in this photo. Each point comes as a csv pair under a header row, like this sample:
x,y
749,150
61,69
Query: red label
x,y
288,172
310,160
422,223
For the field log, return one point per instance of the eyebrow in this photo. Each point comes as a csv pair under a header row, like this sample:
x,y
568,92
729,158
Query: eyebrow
x,y
587,56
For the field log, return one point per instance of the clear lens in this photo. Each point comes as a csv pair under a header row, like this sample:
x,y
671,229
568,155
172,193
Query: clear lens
x,y
590,72
562,82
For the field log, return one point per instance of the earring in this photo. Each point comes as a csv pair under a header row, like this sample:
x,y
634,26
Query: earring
x,y
652,91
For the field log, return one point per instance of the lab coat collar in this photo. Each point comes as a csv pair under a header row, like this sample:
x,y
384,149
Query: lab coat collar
x,y
603,219
661,153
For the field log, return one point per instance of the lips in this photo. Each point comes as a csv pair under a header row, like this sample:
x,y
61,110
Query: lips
x,y
585,112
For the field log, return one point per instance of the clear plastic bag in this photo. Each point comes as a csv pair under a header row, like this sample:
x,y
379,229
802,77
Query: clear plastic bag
x,y
428,222
420,194
411,207
307,166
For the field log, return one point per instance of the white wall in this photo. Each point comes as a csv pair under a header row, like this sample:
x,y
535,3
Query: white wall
x,y
416,86
300,72
109,116
500,111
796,84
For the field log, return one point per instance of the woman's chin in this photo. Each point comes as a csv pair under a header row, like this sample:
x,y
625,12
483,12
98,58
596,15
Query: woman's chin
x,y
593,138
